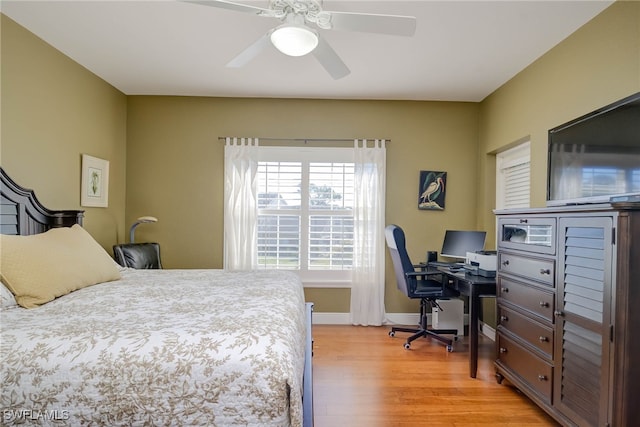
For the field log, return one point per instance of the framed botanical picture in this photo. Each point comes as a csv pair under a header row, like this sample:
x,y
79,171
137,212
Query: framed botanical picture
x,y
95,182
431,190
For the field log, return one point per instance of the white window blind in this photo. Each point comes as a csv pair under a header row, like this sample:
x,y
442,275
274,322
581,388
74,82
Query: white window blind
x,y
331,216
513,177
305,211
279,202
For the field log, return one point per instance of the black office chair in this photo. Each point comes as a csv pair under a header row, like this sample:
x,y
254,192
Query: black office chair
x,y
138,255
414,284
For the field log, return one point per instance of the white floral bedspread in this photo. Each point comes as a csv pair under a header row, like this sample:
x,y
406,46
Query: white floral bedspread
x,y
159,347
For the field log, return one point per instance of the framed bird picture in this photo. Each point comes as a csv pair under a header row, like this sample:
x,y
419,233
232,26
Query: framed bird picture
x,y
431,190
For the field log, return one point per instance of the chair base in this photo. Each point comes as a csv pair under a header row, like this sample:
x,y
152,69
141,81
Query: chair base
x,y
422,331
426,333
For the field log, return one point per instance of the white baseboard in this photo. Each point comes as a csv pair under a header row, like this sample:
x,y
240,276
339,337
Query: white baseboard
x,y
325,318
488,331
392,319
331,318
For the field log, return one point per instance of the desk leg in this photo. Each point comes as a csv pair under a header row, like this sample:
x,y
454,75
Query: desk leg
x,y
474,312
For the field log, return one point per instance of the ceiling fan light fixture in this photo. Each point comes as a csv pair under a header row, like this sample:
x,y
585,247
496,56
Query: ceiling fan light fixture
x,y
294,40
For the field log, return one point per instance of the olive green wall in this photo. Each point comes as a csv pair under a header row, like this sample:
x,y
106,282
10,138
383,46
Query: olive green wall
x,y
175,168
53,111
596,65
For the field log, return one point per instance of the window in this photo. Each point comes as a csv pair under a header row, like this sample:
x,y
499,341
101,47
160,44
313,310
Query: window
x,y
635,180
305,211
607,180
513,177
602,181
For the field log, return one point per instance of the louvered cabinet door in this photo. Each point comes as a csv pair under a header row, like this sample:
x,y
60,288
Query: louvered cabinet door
x,y
583,319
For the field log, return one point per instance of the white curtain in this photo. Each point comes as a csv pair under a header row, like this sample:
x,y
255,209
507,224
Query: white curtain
x,y
367,288
240,203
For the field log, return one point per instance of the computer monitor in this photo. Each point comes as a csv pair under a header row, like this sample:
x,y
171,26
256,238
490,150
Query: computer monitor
x,y
457,243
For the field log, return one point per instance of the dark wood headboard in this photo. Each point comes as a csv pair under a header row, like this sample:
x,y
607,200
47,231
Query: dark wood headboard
x,y
22,214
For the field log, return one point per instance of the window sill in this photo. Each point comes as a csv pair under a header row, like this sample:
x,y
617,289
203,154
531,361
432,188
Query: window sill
x,y
334,284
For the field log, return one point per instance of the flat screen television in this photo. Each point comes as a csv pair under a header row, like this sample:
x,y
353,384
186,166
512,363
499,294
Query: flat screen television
x,y
457,243
596,158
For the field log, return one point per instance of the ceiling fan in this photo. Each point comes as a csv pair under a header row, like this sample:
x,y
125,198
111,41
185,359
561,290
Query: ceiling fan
x,y
297,37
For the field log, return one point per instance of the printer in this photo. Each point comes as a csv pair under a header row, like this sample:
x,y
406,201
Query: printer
x,y
482,263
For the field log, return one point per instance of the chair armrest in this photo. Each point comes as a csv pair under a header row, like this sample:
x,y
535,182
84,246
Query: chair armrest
x,y
414,276
423,273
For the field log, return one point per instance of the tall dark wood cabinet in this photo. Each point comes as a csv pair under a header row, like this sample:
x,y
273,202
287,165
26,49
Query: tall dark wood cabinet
x,y
568,330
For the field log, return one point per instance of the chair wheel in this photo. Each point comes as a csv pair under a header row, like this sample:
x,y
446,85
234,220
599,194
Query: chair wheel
x,y
450,348
407,346
392,334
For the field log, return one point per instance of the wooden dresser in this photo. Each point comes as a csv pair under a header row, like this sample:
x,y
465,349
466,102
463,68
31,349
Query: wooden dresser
x,y
568,330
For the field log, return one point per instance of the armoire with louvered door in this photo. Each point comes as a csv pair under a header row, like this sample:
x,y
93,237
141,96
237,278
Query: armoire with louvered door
x,y
568,306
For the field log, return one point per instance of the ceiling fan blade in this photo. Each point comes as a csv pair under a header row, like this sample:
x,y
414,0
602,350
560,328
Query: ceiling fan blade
x,y
395,25
249,53
238,7
330,60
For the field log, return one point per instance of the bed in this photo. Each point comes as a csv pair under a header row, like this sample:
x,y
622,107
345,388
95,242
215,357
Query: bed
x,y
144,347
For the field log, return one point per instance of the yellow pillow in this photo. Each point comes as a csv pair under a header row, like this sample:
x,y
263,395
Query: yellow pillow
x,y
44,266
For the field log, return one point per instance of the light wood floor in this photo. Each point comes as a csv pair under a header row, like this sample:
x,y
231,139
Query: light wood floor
x,y
363,377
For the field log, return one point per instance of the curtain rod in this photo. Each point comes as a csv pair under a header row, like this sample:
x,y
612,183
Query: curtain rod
x,y
307,140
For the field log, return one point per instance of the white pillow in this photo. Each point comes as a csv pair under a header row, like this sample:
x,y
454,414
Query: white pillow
x,y
42,267
7,300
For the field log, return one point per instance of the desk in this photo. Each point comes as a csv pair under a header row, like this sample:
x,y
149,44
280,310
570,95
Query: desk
x,y
474,287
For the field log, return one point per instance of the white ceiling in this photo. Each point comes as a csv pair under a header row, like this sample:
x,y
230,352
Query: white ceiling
x,y
462,50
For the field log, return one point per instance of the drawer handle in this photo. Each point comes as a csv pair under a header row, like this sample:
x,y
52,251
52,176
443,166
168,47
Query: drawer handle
x,y
505,262
545,271
542,377
504,290
503,350
558,313
543,339
544,304
524,221
504,319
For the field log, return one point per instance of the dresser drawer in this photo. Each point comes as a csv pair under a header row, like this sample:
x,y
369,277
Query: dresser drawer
x,y
534,333
540,270
537,301
535,371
